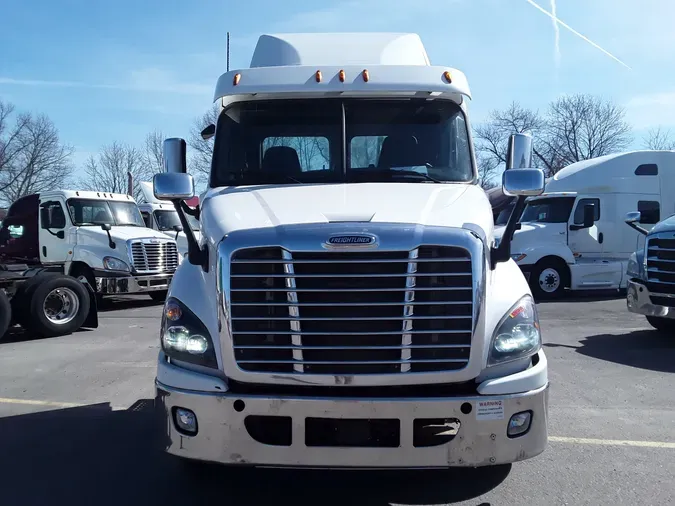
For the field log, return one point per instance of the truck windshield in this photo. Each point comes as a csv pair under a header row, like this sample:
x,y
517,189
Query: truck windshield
x,y
98,212
341,141
167,220
548,210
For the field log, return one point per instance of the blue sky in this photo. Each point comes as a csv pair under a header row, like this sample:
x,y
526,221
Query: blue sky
x,y
107,71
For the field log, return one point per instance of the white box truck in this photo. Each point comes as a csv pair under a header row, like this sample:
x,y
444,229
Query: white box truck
x,y
346,305
574,236
97,237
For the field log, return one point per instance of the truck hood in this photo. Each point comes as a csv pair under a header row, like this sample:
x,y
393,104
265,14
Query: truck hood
x,y
120,233
666,225
225,210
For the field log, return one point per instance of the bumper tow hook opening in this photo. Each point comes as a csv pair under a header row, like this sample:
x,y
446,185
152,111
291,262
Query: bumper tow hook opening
x,y
434,431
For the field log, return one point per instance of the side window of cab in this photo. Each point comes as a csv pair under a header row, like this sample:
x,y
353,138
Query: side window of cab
x,y
147,218
52,215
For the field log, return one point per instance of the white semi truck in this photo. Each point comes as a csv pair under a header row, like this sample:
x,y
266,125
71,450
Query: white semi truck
x,y
97,237
346,305
574,235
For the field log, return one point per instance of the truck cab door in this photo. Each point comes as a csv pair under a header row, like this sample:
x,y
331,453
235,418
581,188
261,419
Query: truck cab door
x,y
55,246
586,240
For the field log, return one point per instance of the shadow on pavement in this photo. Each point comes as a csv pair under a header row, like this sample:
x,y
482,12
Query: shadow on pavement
x,y
109,304
646,349
587,296
93,455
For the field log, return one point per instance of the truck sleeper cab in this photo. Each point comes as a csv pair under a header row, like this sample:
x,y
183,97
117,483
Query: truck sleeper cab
x,y
574,235
345,305
94,236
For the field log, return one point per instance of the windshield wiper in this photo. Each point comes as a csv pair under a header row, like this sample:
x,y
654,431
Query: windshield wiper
x,y
404,174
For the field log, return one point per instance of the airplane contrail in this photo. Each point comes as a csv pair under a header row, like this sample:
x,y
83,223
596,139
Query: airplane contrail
x,y
565,25
556,31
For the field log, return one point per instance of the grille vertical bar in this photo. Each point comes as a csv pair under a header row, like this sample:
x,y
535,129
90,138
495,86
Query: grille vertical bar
x,y
408,310
293,311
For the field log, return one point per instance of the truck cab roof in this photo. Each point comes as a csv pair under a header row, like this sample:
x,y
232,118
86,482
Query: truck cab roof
x,y
86,194
344,65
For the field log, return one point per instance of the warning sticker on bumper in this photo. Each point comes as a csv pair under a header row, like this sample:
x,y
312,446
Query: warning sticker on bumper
x,y
489,410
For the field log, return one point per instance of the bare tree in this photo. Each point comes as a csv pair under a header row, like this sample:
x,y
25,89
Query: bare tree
x,y
201,150
659,139
575,128
151,156
580,127
487,170
108,171
491,139
32,157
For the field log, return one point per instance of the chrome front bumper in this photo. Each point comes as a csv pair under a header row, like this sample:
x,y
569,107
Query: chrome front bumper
x,y
639,300
133,284
481,438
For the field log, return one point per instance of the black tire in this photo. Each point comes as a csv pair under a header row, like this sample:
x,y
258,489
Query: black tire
x,y
158,296
548,279
5,313
665,325
39,323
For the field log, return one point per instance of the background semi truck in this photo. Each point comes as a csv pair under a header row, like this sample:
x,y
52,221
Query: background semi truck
x,y
574,235
651,273
346,305
96,237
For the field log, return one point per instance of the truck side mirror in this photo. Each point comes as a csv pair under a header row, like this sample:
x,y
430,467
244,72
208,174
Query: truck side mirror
x,y
519,180
208,132
174,152
632,220
523,182
177,187
173,186
633,217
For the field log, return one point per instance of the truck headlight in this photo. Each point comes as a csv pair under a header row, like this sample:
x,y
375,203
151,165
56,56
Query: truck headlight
x,y
517,257
114,264
518,334
184,337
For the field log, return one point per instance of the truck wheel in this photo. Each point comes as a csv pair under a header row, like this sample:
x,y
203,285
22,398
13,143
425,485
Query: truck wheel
x,y
548,279
5,313
665,325
59,305
158,296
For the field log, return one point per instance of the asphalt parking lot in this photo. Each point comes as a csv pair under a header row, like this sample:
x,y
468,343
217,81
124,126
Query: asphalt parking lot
x,y
76,428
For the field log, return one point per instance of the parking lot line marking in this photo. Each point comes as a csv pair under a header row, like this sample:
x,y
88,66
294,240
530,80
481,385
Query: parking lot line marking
x,y
611,442
31,402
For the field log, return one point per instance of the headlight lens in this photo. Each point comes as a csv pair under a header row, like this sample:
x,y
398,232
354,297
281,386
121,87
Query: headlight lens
x,y
517,257
184,337
114,264
518,335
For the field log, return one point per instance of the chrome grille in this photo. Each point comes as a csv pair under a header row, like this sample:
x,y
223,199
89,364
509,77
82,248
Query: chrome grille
x,y
351,312
661,264
154,257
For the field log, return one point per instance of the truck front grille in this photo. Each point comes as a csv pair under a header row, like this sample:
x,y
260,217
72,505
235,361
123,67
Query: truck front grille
x,y
351,312
661,265
154,257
